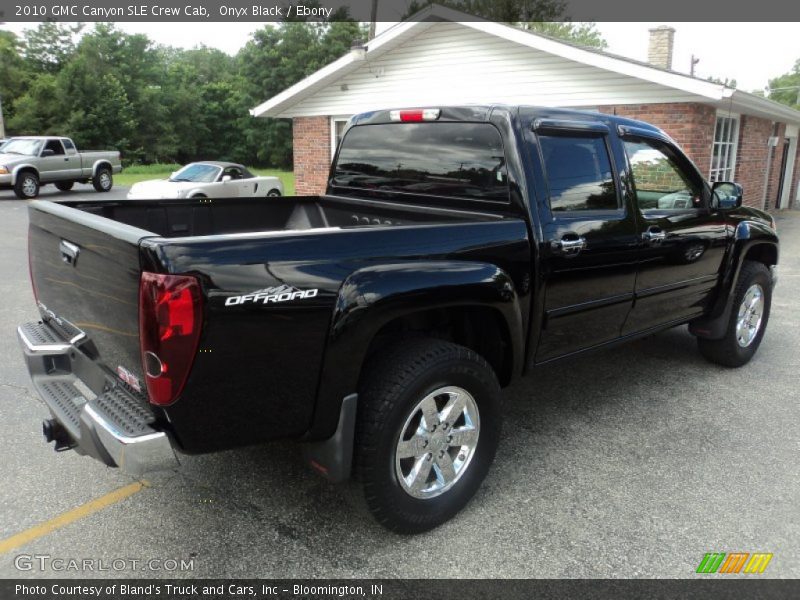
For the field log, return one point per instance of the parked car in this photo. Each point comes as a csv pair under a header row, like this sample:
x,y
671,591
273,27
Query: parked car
x,y
27,163
377,325
210,179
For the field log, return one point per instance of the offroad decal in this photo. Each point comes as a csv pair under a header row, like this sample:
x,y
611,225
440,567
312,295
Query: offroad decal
x,y
281,293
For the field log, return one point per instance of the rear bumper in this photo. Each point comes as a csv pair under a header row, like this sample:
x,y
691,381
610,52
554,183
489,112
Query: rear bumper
x,y
101,419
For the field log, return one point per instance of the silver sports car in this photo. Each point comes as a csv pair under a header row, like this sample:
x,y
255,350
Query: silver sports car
x,y
209,179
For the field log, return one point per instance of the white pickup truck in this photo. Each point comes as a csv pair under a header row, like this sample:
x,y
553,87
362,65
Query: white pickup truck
x,y
27,163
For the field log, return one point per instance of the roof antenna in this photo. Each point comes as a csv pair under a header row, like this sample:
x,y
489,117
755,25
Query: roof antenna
x,y
694,62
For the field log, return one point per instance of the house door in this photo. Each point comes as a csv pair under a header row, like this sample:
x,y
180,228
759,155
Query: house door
x,y
786,172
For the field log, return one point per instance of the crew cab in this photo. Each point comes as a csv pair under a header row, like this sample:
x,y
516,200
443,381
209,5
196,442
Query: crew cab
x,y
27,163
455,249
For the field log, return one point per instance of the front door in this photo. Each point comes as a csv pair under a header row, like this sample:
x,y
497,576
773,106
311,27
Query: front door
x,y
683,239
53,162
591,244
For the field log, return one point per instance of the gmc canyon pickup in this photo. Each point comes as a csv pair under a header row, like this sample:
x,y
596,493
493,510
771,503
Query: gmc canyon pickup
x,y
27,163
454,250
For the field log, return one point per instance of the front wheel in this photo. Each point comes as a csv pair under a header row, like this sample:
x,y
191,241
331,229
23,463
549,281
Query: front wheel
x,y
273,194
751,305
27,185
428,429
102,180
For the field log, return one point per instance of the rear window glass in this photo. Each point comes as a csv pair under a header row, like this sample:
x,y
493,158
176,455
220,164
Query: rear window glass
x,y
578,173
451,160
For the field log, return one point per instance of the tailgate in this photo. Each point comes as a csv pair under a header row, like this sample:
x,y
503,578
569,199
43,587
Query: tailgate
x,y
85,271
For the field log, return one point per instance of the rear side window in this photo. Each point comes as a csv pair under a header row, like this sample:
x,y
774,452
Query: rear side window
x,y
448,160
579,174
69,145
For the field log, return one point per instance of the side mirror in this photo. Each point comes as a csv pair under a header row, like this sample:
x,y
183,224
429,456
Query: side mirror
x,y
727,194
226,178
172,175
47,152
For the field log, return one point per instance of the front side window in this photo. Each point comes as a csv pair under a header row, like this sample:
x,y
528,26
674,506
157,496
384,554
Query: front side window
x,y
578,171
660,181
449,160
723,153
54,146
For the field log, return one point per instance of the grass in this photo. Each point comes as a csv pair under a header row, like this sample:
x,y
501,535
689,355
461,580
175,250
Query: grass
x,y
137,173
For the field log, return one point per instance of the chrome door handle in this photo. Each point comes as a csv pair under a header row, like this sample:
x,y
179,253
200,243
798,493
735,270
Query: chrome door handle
x,y
568,246
654,235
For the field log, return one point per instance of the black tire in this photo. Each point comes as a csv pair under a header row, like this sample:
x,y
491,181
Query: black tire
x,y
727,351
273,193
27,185
65,186
103,180
199,196
394,384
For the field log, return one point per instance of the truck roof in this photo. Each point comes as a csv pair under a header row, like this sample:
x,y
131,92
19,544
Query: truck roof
x,y
481,112
39,137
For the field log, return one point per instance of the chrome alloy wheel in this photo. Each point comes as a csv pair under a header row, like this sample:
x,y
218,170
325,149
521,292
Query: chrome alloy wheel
x,y
105,180
751,311
437,442
29,186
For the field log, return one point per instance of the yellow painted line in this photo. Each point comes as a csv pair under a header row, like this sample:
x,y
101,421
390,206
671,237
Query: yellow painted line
x,y
64,519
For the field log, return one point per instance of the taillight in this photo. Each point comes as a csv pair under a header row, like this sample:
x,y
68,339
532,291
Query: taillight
x,y
170,317
415,115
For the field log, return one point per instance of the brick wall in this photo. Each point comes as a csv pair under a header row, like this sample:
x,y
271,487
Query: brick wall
x,y
312,154
691,125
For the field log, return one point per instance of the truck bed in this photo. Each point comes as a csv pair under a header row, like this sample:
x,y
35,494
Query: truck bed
x,y
201,217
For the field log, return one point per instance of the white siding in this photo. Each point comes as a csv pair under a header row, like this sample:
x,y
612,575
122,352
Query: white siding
x,y
453,64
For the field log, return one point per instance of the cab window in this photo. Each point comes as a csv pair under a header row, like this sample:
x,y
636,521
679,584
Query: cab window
x,y
660,179
579,173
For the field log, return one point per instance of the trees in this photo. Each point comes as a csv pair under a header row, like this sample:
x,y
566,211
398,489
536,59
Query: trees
x,y
786,88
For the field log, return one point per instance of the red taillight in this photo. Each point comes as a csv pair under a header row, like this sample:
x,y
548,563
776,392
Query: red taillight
x,y
415,115
170,318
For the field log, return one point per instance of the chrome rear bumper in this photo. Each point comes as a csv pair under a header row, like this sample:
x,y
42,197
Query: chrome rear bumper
x,y
102,419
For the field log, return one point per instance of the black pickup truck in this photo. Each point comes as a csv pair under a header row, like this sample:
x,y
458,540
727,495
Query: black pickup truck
x,y
454,250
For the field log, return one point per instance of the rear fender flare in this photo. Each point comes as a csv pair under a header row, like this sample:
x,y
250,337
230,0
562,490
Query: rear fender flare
x,y
373,296
102,162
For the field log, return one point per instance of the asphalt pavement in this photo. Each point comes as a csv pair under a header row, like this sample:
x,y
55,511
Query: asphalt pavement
x,y
632,462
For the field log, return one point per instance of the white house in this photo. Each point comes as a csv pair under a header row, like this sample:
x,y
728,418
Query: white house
x,y
443,59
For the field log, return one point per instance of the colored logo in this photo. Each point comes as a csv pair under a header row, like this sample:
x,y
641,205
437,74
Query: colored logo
x,y
734,562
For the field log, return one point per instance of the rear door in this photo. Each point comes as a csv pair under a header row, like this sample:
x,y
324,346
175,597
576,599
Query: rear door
x,y
683,239
590,234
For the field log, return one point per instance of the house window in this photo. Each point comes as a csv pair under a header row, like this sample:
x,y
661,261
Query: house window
x,y
723,153
337,130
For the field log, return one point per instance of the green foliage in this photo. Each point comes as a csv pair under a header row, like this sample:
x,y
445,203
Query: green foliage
x,y
540,16
582,34
160,104
791,81
731,83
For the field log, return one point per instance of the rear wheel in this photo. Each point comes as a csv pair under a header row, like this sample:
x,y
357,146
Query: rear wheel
x,y
103,180
273,194
65,186
27,185
428,429
751,305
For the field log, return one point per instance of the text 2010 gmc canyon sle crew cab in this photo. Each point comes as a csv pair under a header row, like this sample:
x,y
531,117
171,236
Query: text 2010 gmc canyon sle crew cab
x,y
455,249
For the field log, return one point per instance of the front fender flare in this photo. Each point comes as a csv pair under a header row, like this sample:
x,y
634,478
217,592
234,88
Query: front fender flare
x,y
27,166
747,235
373,296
